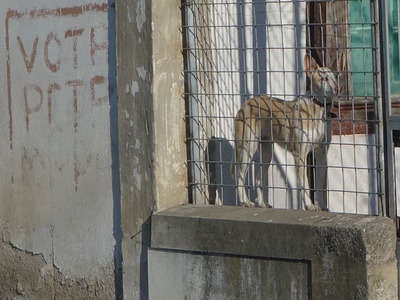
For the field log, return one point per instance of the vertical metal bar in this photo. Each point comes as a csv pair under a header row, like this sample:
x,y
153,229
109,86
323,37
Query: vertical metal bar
x,y
387,204
376,38
377,95
194,132
398,31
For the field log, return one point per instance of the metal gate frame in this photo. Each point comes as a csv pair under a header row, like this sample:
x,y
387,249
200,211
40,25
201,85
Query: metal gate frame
x,y
390,124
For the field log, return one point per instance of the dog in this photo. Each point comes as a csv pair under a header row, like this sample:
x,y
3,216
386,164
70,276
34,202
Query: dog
x,y
300,126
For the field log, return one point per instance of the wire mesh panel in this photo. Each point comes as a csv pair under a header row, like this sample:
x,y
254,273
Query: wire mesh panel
x,y
283,102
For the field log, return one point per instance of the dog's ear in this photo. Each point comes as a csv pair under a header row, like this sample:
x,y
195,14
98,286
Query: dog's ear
x,y
340,63
310,64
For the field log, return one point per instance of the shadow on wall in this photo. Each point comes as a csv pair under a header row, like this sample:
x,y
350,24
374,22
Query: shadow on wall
x,y
112,84
222,186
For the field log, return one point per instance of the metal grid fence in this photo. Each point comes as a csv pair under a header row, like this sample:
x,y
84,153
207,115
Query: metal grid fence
x,y
238,49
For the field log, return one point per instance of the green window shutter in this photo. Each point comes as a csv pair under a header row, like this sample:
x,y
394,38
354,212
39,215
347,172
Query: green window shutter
x,y
361,52
393,21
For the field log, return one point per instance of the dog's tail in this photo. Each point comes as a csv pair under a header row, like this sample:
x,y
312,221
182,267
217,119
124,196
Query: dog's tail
x,y
233,165
238,141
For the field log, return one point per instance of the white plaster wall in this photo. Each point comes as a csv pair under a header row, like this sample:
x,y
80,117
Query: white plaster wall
x,y
352,174
55,156
254,66
351,178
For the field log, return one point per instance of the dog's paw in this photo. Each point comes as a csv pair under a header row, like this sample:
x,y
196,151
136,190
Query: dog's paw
x,y
311,207
247,204
314,207
265,205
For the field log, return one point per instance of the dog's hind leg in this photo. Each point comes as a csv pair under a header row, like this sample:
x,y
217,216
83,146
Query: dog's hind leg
x,y
265,159
242,168
246,144
320,154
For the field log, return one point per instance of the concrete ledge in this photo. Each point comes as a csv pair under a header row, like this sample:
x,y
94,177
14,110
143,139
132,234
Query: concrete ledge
x,y
350,256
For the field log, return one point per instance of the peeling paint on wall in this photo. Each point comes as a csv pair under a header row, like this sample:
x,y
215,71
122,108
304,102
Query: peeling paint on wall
x,y
138,179
140,14
21,278
142,72
135,88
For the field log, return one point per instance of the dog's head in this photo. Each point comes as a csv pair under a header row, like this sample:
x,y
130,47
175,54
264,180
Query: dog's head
x,y
324,84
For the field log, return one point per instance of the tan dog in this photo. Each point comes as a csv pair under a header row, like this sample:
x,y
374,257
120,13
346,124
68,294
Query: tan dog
x,y
301,126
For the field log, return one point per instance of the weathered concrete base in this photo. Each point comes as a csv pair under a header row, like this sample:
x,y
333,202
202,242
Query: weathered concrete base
x,y
211,276
20,278
220,252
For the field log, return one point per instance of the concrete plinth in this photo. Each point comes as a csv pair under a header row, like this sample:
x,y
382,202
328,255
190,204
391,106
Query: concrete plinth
x,y
220,252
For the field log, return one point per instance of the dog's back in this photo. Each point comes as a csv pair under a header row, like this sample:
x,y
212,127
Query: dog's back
x,y
263,118
283,122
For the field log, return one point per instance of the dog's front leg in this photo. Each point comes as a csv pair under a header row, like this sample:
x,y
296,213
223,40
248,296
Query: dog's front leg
x,y
266,149
248,149
244,200
302,182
